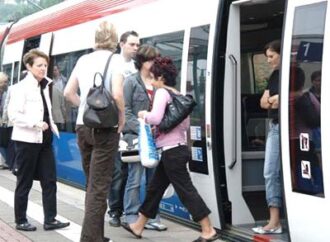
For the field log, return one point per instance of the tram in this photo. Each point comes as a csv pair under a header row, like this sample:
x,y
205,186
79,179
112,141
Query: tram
x,y
217,46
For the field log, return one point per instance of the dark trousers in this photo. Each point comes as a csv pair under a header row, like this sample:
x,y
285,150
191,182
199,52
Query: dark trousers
x,y
172,169
98,149
11,152
35,161
117,188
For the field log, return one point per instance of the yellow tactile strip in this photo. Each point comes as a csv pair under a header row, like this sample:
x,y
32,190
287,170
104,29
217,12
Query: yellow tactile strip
x,y
8,234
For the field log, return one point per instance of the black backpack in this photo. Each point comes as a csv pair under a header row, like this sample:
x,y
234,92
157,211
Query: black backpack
x,y
101,109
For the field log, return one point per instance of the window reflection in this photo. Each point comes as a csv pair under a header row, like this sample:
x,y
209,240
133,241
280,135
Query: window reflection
x,y
7,69
196,79
170,45
64,113
15,75
305,100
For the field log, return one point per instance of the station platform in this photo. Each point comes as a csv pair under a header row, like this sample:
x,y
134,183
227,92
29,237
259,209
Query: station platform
x,y
70,206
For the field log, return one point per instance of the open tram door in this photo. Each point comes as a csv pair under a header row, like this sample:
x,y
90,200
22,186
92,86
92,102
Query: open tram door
x,y
251,25
304,123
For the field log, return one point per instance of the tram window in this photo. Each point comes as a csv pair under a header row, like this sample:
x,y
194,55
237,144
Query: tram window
x,y
196,78
261,72
7,69
171,45
305,99
64,113
255,72
16,70
32,43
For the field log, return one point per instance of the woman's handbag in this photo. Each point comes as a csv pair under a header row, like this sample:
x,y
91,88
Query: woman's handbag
x,y
148,151
176,111
101,109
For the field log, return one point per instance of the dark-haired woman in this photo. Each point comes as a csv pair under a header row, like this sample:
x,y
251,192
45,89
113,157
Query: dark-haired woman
x,y
272,166
138,93
175,155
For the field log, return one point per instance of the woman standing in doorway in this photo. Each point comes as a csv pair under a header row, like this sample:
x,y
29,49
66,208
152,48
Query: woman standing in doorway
x,y
272,166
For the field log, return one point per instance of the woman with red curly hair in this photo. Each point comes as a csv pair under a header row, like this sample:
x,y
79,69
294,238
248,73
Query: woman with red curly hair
x,y
173,164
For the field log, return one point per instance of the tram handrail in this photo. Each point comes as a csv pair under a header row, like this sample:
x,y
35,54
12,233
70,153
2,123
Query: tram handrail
x,y
234,64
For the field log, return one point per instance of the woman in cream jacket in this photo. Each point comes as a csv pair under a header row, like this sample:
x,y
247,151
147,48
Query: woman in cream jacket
x,y
29,109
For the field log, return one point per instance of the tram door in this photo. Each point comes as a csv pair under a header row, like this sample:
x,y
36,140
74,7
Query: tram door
x,y
251,25
304,123
232,133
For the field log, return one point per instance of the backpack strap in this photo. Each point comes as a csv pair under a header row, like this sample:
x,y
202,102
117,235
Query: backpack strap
x,y
105,73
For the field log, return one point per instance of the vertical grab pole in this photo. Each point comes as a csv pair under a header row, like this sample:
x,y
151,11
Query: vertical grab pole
x,y
234,64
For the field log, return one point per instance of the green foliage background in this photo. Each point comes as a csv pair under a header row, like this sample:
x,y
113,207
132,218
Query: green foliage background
x,y
22,8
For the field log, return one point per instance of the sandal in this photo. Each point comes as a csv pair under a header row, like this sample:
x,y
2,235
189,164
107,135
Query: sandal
x,y
213,238
128,228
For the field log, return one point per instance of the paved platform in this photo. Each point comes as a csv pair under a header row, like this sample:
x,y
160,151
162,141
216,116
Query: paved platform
x,y
70,206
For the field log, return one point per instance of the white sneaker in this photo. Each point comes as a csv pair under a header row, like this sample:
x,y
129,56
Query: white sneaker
x,y
261,230
155,226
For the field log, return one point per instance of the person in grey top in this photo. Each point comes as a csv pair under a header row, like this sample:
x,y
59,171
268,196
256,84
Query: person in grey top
x,y
138,93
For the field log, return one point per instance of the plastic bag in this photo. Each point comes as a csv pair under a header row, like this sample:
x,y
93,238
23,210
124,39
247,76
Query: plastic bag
x,y
148,152
169,192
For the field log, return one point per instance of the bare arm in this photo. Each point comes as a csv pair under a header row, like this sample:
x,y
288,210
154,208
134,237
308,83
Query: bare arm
x,y
264,100
118,95
71,91
274,101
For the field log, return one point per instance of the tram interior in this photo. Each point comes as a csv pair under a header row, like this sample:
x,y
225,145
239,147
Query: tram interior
x,y
260,24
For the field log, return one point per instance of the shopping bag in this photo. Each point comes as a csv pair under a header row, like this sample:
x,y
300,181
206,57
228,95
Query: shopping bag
x,y
147,148
169,192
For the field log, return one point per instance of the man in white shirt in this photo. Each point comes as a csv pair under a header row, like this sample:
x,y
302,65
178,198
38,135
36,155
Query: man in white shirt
x,y
129,44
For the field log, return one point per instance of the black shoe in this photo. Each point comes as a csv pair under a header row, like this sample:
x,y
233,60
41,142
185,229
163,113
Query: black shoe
x,y
26,227
55,225
114,221
106,239
4,167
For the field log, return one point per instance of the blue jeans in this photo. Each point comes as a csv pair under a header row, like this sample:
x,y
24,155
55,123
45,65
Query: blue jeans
x,y
117,188
272,168
132,200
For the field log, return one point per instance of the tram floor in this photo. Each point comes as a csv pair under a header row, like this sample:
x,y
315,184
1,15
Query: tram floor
x,y
256,201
